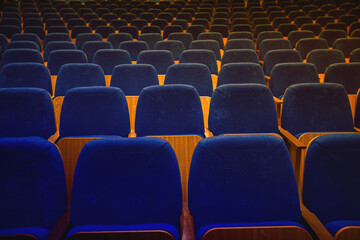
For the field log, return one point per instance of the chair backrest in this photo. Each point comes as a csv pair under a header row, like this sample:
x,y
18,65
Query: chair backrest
x,y
169,110
25,75
331,180
346,74
32,184
347,45
185,38
295,36
316,107
22,44
56,37
57,58
211,45
322,58
239,44
332,34
26,112
305,45
203,56
134,48
117,38
242,108
241,73
109,58
274,57
212,36
57,45
86,37
124,180
91,47
195,74
94,111
21,55
27,37
176,47
284,75
160,59
239,55
230,175
272,44
151,39
267,35
74,75
132,78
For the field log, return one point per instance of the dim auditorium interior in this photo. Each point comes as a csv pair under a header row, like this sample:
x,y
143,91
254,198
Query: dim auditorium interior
x,y
179,119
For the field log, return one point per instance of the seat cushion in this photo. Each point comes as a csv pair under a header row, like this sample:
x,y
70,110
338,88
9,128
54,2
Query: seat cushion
x,y
39,232
335,226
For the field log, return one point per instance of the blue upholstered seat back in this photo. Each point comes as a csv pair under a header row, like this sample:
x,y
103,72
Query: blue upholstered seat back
x,y
25,75
241,73
169,110
195,74
32,183
203,56
26,112
109,58
242,179
274,57
57,58
322,58
56,45
73,75
94,111
316,107
346,74
242,108
176,47
134,48
331,177
239,55
132,78
160,59
21,55
91,47
126,182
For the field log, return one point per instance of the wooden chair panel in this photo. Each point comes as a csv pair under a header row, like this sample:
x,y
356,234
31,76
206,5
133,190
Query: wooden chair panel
x,y
348,233
57,102
132,103
123,235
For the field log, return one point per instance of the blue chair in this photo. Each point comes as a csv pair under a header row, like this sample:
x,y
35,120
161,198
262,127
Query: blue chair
x,y
28,112
33,201
176,47
160,59
21,55
23,45
116,38
86,37
77,30
91,47
130,29
185,38
241,73
120,196
239,44
151,39
242,108
34,75
239,55
57,58
272,44
57,45
203,56
347,45
274,57
305,45
134,48
248,183
346,74
267,35
212,36
331,183
295,36
9,30
3,41
89,113
172,112
27,37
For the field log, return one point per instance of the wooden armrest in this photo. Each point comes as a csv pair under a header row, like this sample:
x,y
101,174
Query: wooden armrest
x,y
267,78
357,129
208,133
187,224
277,100
132,134
315,224
261,63
54,137
291,139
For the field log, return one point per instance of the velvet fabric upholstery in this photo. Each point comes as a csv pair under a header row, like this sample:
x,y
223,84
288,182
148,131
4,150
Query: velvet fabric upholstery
x,y
151,29
322,58
3,41
26,112
74,75
27,37
207,44
331,180
274,57
110,58
185,38
176,47
56,37
239,44
129,29
284,75
324,20
212,36
305,45
25,75
169,110
346,45
9,30
242,179
151,39
57,58
132,78
314,27
162,23
160,59
220,28
22,44
241,73
355,55
91,47
346,74
272,44
94,111
261,28
116,38
332,34
105,31
195,30
267,35
295,36
37,30
57,45
171,29
21,55
316,107
239,55
134,48
195,74
130,201
86,37
242,108
203,56
241,28
32,186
